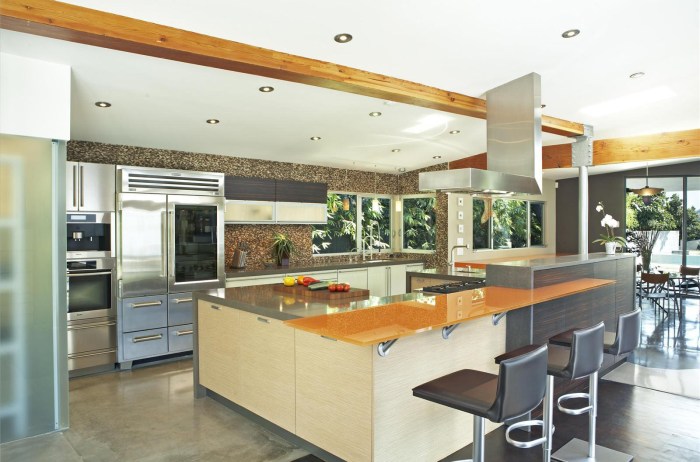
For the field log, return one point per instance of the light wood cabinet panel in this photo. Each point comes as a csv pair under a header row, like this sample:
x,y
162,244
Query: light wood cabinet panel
x,y
407,428
218,328
334,396
357,278
267,369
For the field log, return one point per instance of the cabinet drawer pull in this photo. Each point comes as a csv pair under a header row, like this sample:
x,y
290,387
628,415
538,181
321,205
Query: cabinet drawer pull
x,y
87,355
215,307
147,338
93,325
266,321
180,333
146,304
182,300
82,187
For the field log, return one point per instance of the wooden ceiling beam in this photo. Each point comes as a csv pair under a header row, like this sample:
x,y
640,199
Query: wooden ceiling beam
x,y
74,23
671,145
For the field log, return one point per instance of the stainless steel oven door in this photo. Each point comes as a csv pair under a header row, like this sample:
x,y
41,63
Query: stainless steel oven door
x,y
91,289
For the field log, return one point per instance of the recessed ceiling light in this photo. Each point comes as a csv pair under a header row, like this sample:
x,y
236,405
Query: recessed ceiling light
x,y
102,104
543,106
571,33
637,75
375,114
342,38
396,150
315,138
266,89
437,157
402,169
454,132
212,121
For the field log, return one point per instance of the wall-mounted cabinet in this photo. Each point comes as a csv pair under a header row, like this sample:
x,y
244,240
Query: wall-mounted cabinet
x,y
89,187
260,200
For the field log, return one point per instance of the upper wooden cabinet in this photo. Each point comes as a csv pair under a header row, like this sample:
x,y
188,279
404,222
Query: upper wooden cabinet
x,y
262,189
260,200
300,191
249,189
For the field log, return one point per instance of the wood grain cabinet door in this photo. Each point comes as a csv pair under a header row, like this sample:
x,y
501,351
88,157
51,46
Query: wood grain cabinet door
x,y
267,369
219,358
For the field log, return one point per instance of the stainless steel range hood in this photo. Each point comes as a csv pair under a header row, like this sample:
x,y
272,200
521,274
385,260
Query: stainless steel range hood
x,y
514,145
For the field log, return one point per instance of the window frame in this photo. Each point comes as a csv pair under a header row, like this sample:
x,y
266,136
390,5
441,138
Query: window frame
x,y
401,228
358,223
529,224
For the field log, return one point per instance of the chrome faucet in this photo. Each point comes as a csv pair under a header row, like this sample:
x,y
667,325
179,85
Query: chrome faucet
x,y
452,255
371,247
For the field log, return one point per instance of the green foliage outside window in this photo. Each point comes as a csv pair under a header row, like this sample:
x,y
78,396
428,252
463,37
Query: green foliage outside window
x,y
419,223
340,233
503,223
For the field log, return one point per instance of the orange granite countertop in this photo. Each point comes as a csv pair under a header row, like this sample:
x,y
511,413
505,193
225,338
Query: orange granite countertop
x,y
394,320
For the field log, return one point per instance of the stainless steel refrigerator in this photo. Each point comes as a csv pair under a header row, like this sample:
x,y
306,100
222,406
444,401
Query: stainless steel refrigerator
x,y
170,242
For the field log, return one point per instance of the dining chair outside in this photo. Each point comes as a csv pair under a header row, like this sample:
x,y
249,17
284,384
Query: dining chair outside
x,y
690,280
655,288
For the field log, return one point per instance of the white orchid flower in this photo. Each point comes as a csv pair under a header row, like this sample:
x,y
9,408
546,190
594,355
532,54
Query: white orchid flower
x,y
599,208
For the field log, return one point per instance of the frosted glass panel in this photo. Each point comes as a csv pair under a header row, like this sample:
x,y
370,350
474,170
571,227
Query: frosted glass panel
x,y
27,371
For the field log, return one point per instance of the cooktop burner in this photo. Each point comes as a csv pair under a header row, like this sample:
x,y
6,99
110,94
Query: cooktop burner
x,y
456,286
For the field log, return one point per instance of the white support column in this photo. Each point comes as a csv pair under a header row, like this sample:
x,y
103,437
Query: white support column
x,y
583,210
582,157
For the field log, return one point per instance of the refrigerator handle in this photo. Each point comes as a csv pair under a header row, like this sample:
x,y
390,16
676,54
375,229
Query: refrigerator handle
x,y
171,225
164,244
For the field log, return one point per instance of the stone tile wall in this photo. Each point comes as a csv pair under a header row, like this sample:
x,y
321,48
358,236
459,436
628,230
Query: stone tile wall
x,y
259,237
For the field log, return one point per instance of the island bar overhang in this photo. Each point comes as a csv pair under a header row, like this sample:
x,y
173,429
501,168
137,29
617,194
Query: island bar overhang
x,y
352,404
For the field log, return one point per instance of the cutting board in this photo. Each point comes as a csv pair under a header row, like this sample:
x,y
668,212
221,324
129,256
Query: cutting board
x,y
323,294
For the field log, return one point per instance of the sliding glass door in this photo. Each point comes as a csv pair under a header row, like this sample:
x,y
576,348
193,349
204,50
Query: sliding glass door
x,y
665,228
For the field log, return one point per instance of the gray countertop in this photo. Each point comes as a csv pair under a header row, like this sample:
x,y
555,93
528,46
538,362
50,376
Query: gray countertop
x,y
560,261
264,300
264,271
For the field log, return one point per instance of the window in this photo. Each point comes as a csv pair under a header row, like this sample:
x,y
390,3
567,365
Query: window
x,y
507,223
419,223
340,234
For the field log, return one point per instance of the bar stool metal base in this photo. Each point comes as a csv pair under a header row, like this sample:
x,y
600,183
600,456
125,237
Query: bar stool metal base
x,y
576,450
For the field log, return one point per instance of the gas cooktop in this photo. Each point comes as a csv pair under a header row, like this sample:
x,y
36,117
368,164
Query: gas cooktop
x,y
456,286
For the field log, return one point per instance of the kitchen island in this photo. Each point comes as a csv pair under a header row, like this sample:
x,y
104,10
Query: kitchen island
x,y
339,374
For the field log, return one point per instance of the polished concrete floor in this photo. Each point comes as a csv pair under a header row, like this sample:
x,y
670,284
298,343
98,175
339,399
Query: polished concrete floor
x,y
149,414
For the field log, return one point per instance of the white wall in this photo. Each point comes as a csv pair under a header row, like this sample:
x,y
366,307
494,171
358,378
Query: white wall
x,y
548,196
35,98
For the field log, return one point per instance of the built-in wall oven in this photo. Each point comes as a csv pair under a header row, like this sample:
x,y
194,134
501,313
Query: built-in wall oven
x,y
92,323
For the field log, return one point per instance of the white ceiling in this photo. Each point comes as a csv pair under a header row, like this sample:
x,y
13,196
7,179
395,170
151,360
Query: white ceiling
x,y
467,46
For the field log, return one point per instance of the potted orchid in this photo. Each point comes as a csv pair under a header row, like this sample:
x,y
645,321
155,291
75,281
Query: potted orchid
x,y
609,240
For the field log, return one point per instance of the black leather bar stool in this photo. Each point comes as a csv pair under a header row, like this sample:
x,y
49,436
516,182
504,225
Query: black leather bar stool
x,y
626,339
517,389
582,359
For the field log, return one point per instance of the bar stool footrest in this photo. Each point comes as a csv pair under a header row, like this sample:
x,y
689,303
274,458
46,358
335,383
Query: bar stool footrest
x,y
526,444
570,411
576,450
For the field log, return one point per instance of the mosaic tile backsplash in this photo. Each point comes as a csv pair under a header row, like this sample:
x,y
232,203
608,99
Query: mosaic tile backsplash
x,y
259,237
